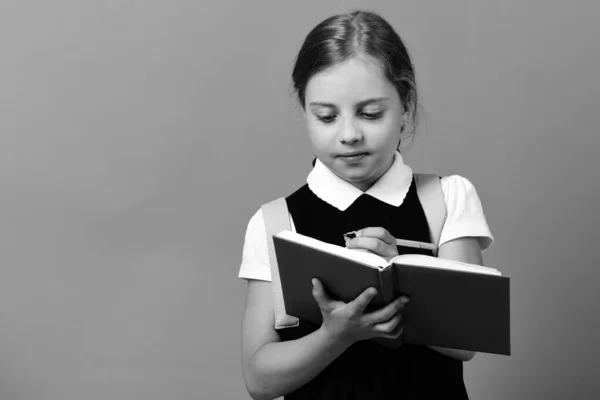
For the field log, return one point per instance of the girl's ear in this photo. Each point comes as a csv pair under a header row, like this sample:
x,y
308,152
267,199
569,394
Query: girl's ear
x,y
406,121
402,127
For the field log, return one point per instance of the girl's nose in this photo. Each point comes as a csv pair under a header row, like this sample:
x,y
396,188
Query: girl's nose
x,y
350,133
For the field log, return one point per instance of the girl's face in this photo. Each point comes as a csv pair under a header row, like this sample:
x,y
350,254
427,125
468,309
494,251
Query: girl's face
x,y
354,116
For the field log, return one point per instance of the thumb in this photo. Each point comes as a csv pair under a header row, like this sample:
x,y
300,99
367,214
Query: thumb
x,y
320,294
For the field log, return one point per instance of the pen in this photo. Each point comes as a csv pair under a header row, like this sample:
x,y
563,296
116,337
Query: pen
x,y
418,245
402,242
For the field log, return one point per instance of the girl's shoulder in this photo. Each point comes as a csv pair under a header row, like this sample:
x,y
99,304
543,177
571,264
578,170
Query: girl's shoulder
x,y
456,183
458,188
256,229
465,215
255,255
455,178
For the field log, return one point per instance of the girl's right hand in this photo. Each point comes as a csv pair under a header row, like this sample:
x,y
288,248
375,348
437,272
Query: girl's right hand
x,y
347,322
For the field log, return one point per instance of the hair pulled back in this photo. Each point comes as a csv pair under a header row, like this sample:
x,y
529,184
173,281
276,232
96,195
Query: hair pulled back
x,y
344,36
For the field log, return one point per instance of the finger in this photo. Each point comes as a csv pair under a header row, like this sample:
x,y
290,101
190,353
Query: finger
x,y
387,312
363,250
388,327
358,305
320,295
375,245
398,330
377,232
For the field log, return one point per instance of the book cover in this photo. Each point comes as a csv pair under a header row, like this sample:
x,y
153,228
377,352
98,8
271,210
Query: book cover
x,y
453,305
454,309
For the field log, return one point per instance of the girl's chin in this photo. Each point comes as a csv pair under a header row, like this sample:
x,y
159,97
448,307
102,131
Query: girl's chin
x,y
354,176
353,173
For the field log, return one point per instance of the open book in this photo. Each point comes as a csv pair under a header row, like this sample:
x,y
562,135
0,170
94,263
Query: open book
x,y
376,261
452,304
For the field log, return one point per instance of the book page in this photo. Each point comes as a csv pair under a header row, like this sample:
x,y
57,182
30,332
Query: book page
x,y
434,262
364,257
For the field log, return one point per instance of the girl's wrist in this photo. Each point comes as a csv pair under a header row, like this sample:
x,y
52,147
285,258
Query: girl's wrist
x,y
332,340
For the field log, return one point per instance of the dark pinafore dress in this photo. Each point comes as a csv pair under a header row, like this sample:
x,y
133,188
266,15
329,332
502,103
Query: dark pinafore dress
x,y
367,370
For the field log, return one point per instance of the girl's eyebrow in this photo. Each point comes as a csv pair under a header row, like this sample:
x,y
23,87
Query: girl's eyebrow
x,y
360,104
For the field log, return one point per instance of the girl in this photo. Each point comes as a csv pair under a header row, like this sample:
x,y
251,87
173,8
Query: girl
x,y
356,85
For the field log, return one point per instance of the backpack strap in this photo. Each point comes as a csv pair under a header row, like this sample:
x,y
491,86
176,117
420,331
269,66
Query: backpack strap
x,y
276,217
429,190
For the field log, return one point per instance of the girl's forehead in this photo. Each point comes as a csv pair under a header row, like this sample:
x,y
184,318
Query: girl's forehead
x,y
351,81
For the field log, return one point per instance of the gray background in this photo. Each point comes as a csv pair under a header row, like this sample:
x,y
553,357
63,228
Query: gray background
x,y
138,137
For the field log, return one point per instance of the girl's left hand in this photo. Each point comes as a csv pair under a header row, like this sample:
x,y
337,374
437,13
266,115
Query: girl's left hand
x,y
374,239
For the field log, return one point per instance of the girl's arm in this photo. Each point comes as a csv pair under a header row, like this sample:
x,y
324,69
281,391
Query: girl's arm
x,y
468,250
273,368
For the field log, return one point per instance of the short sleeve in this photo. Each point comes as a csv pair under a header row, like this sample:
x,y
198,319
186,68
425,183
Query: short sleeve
x,y
465,214
255,254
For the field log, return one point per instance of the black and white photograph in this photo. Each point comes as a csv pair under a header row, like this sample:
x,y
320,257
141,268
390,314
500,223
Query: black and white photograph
x,y
345,200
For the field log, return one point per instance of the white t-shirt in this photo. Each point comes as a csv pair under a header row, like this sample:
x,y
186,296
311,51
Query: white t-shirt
x,y
465,216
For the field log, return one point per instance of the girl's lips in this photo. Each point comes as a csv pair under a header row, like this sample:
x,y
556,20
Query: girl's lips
x,y
353,154
352,157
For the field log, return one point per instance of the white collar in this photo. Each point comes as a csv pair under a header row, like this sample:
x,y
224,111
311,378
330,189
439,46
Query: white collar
x,y
390,188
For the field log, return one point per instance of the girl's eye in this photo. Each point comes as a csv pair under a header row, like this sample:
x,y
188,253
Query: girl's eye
x,y
375,115
326,118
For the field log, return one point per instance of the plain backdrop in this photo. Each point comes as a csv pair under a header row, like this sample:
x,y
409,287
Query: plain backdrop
x,y
137,138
